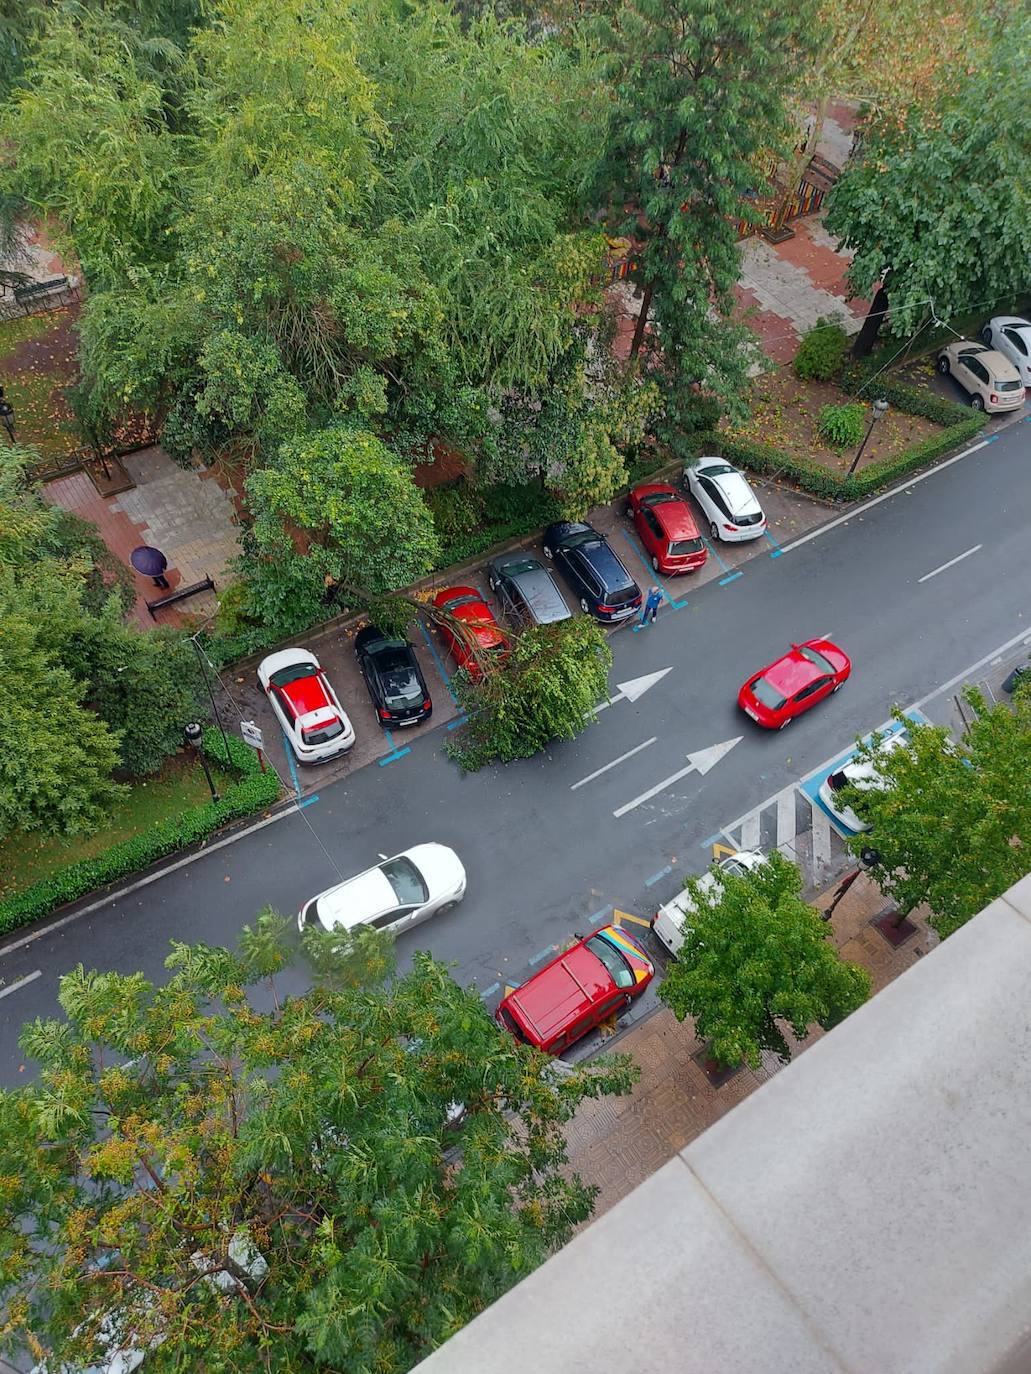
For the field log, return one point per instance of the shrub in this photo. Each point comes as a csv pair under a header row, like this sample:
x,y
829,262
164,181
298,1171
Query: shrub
x,y
254,791
913,400
821,353
457,510
842,426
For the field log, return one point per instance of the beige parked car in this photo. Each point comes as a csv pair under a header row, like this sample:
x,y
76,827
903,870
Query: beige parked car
x,y
991,381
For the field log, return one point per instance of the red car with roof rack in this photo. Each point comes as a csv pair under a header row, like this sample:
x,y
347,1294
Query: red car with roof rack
x,y
306,706
667,529
595,979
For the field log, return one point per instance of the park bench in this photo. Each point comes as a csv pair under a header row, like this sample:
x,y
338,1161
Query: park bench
x,y
37,290
180,594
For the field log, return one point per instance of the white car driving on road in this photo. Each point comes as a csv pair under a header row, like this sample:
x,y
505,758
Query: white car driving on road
x,y
396,894
728,502
670,921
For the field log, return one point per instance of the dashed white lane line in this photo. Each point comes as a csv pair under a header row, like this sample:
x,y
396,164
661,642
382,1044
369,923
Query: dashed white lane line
x,y
950,564
21,982
615,762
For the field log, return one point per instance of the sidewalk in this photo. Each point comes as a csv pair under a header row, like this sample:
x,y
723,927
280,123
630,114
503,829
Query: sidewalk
x,y
617,1143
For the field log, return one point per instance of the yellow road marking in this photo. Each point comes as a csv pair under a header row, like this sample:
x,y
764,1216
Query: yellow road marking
x,y
509,989
720,850
618,917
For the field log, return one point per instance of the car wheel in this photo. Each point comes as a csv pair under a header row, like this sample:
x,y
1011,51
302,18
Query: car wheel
x,y
943,366
986,335
628,511
655,564
547,552
714,530
448,906
584,606
977,403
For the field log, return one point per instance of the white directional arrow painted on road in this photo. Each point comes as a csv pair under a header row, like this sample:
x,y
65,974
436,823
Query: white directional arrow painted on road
x,y
700,762
634,689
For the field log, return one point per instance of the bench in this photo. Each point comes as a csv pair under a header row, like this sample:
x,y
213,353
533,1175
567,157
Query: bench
x,y
36,289
180,594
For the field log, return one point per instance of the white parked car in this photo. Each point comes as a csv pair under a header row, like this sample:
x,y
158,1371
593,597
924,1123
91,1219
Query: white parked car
x,y
860,773
1011,336
989,379
670,921
728,502
398,893
307,707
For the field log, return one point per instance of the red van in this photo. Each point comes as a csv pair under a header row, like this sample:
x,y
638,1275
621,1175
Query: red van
x,y
577,991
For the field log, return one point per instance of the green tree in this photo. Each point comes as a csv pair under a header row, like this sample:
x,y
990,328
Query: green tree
x,y
337,1180
698,89
56,763
952,826
757,957
911,204
547,689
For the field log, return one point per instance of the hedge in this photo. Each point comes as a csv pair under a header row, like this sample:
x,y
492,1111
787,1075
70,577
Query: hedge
x,y
252,792
912,400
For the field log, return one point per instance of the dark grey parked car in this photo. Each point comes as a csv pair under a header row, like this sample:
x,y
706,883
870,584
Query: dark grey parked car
x,y
527,591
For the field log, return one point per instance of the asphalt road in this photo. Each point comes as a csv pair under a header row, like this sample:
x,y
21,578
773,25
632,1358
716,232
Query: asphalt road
x,y
542,859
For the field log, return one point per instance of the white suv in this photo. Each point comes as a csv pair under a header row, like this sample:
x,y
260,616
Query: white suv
x,y
670,921
990,380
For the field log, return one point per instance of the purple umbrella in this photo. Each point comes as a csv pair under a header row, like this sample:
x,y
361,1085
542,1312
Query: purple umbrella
x,y
150,562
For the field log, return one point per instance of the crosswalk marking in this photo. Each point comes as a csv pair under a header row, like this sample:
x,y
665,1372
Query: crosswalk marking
x,y
821,839
786,818
751,829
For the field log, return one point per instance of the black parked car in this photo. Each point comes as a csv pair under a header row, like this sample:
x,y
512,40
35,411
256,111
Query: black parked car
x,y
605,588
393,677
526,590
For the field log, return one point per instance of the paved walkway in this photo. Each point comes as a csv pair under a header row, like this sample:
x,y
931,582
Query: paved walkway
x,y
187,515
617,1143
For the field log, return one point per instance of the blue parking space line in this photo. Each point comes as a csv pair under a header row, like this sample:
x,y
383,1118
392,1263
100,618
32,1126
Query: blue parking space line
x,y
459,720
712,549
543,954
652,574
393,758
770,537
489,992
438,661
713,839
308,801
293,766
776,553
650,882
731,577
598,916
991,438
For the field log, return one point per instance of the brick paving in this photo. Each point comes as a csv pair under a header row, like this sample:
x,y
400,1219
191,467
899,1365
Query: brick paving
x,y
617,1143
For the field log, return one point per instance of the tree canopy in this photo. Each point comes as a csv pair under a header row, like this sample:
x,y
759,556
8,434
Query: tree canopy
x,y
757,956
231,1177
952,826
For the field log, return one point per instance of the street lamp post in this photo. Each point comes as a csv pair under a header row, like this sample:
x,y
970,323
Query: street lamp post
x,y
193,735
880,409
202,660
7,415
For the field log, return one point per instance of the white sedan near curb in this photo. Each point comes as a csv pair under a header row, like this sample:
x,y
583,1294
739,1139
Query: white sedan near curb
x,y
670,922
306,706
396,894
862,774
728,502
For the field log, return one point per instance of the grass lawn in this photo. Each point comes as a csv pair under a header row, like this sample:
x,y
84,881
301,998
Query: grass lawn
x,y
786,412
37,363
27,857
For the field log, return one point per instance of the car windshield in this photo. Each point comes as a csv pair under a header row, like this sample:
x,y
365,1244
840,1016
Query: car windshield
x,y
292,673
468,600
513,1025
836,781
661,498
717,469
522,565
1009,386
323,732
400,681
817,660
578,537
622,973
406,880
766,693
685,546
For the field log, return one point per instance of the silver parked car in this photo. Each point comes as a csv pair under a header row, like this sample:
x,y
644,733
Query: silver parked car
x,y
526,590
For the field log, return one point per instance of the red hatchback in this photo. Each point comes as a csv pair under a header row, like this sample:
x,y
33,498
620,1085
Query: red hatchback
x,y
598,977
479,636
805,675
667,529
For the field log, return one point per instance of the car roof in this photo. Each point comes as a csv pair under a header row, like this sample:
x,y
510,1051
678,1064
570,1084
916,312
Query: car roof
x,y
999,365
791,673
734,486
538,586
860,769
562,991
605,563
308,695
359,899
1014,321
675,517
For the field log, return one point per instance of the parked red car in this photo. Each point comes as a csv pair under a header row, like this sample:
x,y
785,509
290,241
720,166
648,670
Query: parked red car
x,y
478,628
805,675
579,989
663,520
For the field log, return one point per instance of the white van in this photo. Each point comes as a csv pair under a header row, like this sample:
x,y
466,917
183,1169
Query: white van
x,y
670,921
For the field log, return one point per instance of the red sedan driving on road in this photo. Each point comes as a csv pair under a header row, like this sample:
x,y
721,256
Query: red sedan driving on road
x,y
666,527
805,675
478,636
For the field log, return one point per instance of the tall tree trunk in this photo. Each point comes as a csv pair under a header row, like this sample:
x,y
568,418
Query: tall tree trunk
x,y
642,321
867,336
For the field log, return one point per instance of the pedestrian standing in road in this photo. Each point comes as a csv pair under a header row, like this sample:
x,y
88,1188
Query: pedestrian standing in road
x,y
651,606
